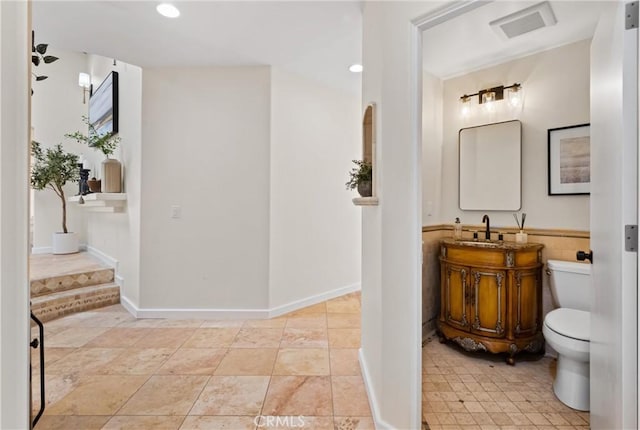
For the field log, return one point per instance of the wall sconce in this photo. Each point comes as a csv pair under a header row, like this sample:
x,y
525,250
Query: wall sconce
x,y
84,81
489,96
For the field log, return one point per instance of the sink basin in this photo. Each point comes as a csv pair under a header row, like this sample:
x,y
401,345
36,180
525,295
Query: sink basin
x,y
479,243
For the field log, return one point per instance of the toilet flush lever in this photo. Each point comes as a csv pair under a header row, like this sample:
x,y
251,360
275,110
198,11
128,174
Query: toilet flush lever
x,y
581,256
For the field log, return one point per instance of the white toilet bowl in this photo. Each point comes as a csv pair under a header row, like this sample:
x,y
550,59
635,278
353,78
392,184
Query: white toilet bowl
x,y
567,332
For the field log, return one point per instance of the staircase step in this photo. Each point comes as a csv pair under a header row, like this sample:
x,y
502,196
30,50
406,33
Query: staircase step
x,y
70,281
62,303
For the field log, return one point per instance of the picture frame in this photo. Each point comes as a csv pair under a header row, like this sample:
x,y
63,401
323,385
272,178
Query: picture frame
x,y
568,160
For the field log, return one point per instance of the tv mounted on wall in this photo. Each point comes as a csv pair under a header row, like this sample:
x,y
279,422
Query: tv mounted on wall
x,y
103,106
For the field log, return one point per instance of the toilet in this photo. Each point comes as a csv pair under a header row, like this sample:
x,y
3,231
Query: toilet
x,y
567,330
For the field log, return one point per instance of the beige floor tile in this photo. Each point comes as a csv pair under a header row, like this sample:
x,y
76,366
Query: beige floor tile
x,y
343,320
314,309
51,356
83,361
137,361
344,338
218,423
344,362
299,395
258,338
144,423
247,362
308,321
99,319
537,419
165,395
56,387
344,305
69,422
464,418
97,395
74,337
212,337
165,338
295,422
302,361
222,323
232,395
193,361
118,338
349,396
304,338
354,423
270,323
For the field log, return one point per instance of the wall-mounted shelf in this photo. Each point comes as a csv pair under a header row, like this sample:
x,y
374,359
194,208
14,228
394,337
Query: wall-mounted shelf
x,y
365,201
101,202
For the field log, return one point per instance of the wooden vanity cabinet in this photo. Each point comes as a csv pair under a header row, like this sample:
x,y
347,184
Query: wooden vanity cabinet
x,y
491,296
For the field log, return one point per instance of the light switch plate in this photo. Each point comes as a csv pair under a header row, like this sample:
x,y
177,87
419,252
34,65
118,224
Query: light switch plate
x,y
176,212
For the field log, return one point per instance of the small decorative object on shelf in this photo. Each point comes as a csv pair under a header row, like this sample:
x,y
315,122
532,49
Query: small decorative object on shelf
x,y
360,177
83,186
94,184
107,144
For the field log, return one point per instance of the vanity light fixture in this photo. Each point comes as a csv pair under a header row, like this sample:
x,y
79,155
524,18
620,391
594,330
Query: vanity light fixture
x,y
168,10
84,81
356,68
489,96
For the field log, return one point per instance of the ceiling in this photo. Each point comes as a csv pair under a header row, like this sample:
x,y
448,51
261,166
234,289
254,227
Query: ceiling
x,y
468,43
317,39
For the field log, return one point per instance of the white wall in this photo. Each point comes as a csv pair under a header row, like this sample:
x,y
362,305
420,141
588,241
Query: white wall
x,y
556,94
315,228
117,235
14,154
206,149
57,109
432,168
391,307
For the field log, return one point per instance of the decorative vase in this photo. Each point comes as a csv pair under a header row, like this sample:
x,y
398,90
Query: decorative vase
x,y
364,188
111,176
94,185
65,243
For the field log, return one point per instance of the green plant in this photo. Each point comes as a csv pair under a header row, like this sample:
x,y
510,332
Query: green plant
x,y
53,168
358,174
38,57
106,143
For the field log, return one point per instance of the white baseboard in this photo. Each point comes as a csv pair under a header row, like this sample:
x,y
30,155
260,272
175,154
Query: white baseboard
x,y
227,314
309,301
378,422
106,259
41,250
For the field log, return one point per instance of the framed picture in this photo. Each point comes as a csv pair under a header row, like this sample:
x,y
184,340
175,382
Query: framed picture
x,y
569,160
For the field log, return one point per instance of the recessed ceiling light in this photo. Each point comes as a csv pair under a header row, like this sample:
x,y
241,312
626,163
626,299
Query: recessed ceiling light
x,y
168,10
355,68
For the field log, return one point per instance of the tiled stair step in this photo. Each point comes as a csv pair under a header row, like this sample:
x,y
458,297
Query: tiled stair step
x,y
55,284
59,304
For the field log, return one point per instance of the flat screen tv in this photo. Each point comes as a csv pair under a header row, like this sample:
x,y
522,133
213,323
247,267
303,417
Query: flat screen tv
x,y
103,106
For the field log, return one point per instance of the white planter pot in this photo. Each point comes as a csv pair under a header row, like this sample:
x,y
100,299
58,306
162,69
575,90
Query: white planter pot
x,y
65,243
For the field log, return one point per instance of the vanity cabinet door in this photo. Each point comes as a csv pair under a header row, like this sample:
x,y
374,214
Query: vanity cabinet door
x,y
527,301
488,302
455,296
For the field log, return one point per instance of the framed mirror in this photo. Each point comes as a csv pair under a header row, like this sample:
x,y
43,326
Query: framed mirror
x,y
490,167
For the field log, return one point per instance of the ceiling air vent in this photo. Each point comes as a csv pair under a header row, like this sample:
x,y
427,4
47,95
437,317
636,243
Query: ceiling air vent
x,y
524,21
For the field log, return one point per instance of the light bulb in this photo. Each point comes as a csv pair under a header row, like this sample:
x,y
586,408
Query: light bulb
x,y
465,106
488,101
515,96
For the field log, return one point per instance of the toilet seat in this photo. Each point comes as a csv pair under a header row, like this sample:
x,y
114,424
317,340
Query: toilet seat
x,y
571,323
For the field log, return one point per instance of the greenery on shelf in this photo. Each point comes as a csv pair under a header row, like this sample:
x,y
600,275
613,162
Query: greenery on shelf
x,y
359,174
53,168
106,143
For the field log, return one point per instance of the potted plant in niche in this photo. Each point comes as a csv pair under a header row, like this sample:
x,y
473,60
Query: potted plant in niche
x,y
53,168
360,178
107,144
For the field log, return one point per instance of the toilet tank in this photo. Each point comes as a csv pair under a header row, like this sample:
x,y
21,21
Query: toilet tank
x,y
570,284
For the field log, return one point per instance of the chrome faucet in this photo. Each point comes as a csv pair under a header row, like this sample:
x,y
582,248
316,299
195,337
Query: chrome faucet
x,y
487,233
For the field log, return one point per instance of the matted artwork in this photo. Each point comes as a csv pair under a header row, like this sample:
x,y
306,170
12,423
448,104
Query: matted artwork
x,y
569,160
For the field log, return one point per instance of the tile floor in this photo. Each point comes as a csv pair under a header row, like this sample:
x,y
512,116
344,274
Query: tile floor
x,y
461,390
48,265
107,370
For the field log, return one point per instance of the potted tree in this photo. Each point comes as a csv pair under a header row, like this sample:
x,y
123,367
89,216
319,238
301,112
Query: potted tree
x,y
52,168
107,144
360,178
